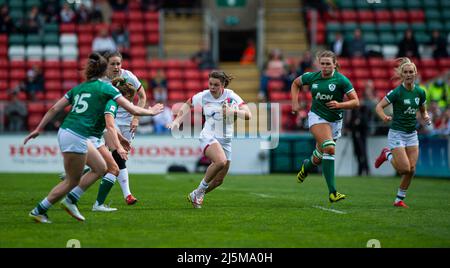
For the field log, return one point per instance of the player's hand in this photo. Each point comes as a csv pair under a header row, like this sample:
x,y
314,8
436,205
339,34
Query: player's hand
x,y
123,154
295,107
227,111
156,109
387,118
333,104
133,125
173,125
125,144
32,135
427,119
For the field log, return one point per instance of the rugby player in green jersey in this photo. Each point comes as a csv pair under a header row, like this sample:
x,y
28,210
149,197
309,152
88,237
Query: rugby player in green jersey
x,y
328,88
88,102
403,150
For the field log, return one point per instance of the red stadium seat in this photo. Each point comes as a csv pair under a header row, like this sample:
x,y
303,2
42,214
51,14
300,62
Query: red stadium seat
x,y
100,26
119,17
382,16
4,75
85,29
177,96
138,52
4,85
193,85
348,15
53,85
416,16
52,74
172,74
344,62
36,107
136,28
376,62
379,73
275,85
18,74
175,85
4,64
279,96
153,38
67,28
138,64
4,96
151,16
444,63
17,64
52,64
85,39
191,74
4,39
400,16
358,62
428,63
174,64
137,39
70,74
68,85
31,63
365,16
33,121
135,16
382,85
358,85
156,64
142,73
53,95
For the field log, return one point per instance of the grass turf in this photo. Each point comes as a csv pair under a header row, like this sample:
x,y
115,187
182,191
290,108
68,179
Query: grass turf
x,y
271,211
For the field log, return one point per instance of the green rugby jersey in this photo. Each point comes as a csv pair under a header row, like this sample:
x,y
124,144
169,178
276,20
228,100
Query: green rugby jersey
x,y
405,104
89,100
324,90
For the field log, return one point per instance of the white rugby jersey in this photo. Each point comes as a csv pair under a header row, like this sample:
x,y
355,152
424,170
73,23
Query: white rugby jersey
x,y
123,117
215,125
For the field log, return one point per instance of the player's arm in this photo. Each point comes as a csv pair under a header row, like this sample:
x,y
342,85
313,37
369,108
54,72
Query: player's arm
x,y
379,109
49,115
242,113
111,128
424,113
351,103
136,110
142,100
184,110
295,88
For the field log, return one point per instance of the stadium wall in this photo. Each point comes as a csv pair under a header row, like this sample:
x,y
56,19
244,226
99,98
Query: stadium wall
x,y
154,154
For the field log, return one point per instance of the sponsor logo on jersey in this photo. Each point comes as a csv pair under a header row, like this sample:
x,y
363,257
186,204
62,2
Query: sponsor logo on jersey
x,y
113,108
323,97
417,100
407,101
331,87
314,86
410,111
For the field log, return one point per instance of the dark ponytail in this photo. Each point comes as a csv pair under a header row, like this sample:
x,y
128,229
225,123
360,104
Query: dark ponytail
x,y
96,66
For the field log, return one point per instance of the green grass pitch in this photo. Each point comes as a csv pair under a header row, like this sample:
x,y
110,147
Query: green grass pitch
x,y
271,211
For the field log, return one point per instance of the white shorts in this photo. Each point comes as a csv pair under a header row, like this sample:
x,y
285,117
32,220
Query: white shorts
x,y
97,142
398,138
125,131
336,127
70,142
206,141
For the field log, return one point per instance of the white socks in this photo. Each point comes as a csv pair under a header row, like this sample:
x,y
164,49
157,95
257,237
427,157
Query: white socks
x,y
124,182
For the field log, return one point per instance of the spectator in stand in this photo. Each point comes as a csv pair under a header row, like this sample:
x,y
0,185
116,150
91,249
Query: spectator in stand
x,y
16,113
161,120
34,82
356,47
83,14
249,54
67,15
203,58
370,101
439,45
434,111
50,10
151,5
159,86
438,91
442,124
103,42
306,63
34,21
408,46
122,40
275,69
119,5
102,11
6,23
339,46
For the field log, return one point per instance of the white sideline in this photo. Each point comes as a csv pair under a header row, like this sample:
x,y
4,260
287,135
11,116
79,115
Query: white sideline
x,y
330,209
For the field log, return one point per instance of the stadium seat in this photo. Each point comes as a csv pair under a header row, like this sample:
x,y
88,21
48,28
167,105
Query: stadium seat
x,y
155,64
151,16
137,39
382,15
400,16
36,108
175,85
177,96
191,74
52,74
69,74
69,53
361,73
67,28
68,39
275,85
174,74
33,121
138,52
416,16
348,16
119,17
277,96
53,95
16,39
18,74
379,73
16,52
53,85
413,4
34,52
193,85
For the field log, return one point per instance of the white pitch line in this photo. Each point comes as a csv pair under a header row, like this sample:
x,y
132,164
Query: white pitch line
x,y
330,209
263,195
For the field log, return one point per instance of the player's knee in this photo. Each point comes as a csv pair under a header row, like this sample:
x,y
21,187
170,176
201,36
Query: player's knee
x,y
221,163
328,147
412,170
404,170
113,168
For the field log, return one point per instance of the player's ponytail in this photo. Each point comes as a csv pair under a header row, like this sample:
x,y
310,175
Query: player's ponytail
x,y
126,89
96,66
224,78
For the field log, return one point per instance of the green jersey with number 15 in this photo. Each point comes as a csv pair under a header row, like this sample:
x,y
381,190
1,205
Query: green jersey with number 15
x,y
89,100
